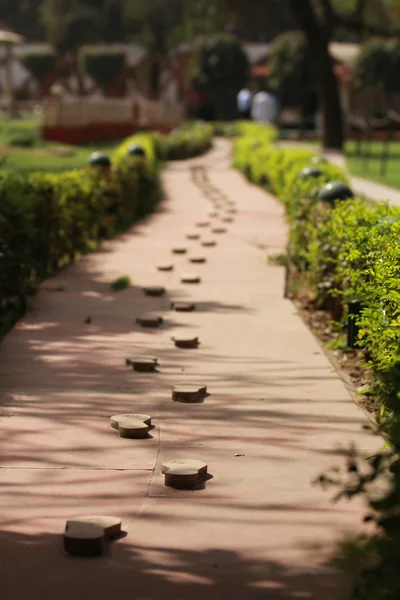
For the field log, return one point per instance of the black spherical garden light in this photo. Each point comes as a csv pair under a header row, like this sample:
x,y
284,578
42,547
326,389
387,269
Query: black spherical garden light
x,y
335,190
136,150
98,159
310,172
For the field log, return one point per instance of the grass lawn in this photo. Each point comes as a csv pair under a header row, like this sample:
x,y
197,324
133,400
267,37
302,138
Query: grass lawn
x,y
21,148
370,168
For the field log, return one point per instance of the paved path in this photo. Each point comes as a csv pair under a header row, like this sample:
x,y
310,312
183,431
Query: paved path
x,y
255,530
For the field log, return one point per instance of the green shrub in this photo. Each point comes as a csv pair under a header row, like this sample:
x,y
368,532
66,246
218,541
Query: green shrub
x,y
39,63
122,283
189,140
226,129
291,73
220,69
24,139
378,65
102,65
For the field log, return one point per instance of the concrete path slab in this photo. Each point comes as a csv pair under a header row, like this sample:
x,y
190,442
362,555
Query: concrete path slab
x,y
275,417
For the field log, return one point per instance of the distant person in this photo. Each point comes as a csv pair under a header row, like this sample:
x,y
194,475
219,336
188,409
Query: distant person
x,y
265,107
244,99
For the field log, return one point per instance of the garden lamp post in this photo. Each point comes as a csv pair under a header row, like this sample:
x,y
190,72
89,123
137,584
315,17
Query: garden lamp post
x,y
8,39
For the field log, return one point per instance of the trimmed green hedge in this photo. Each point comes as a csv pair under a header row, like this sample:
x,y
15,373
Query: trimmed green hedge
x,y
345,252
47,220
189,140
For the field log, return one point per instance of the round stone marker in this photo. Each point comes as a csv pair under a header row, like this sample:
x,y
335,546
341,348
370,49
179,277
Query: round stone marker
x,y
200,466
203,224
165,267
132,428
84,539
184,473
188,393
183,306
150,321
181,478
190,278
179,250
197,259
219,230
114,421
193,236
143,364
185,341
154,290
111,526
129,426
208,243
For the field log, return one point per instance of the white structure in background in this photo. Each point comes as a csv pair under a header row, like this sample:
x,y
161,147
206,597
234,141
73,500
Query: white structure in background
x,y
7,41
66,108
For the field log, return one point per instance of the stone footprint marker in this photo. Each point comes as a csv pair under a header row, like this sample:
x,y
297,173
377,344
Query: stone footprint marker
x,y
183,306
186,341
150,321
197,259
188,393
154,290
184,473
87,535
165,267
203,224
132,426
190,278
144,364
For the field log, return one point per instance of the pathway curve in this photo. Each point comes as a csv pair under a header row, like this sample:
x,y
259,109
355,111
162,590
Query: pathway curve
x,y
275,417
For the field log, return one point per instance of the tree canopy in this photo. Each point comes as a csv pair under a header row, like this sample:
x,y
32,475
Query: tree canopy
x,y
291,73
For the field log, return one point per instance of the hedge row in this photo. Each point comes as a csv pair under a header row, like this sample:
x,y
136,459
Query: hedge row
x,y
189,140
47,220
345,252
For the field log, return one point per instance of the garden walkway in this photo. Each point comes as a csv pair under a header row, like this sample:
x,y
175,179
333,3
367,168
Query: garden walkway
x,y
275,418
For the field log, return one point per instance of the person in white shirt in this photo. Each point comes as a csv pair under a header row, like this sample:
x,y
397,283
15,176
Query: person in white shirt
x,y
243,101
264,108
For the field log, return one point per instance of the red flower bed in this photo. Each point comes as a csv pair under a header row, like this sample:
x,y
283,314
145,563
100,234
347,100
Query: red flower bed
x,y
95,132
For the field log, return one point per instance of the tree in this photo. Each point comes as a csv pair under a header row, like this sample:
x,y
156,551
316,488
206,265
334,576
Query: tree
x,y
220,69
103,65
319,20
153,21
290,70
69,24
41,65
372,65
